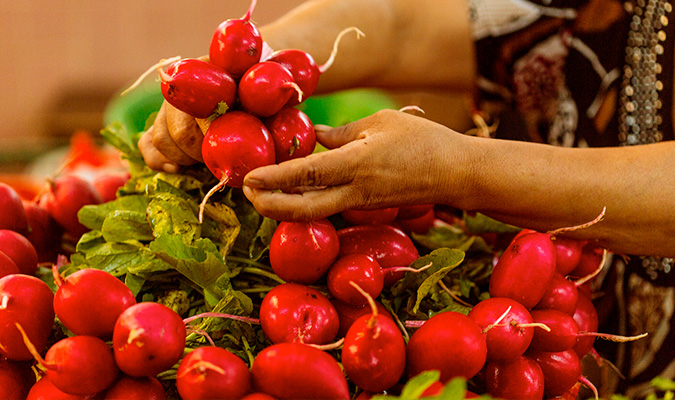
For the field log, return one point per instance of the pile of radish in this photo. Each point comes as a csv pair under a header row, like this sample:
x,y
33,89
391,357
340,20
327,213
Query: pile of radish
x,y
166,296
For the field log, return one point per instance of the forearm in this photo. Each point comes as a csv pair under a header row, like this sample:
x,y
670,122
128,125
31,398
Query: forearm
x,y
407,43
545,187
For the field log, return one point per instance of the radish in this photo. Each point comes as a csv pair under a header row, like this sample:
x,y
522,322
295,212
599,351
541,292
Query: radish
x,y
562,295
586,317
7,266
74,308
292,132
414,211
65,196
16,379
265,88
360,269
302,252
132,388
148,338
370,217
304,69
13,216
568,254
291,312
507,325
374,351
257,396
45,233
212,373
517,379
20,250
561,370
591,257
348,313
236,44
44,389
198,88
419,225
26,300
298,371
108,183
79,365
450,342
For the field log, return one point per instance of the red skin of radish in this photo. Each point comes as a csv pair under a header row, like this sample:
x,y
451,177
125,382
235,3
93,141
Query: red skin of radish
x,y
81,365
347,314
16,379
298,371
561,370
436,388
293,134
197,87
374,353
28,303
291,312
591,257
13,216
518,379
563,334
45,233
20,250
388,245
362,270
419,225
303,68
586,317
236,143
562,295
370,217
257,396
75,309
266,88
66,195
525,269
236,45
107,184
44,389
450,342
302,252
212,373
504,343
568,254
415,211
7,266
148,338
131,388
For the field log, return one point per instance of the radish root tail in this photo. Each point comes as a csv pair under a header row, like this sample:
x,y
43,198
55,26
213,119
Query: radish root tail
x,y
323,68
217,187
162,63
577,227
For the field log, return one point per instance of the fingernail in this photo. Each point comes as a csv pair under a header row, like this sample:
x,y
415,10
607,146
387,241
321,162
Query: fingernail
x,y
254,183
170,168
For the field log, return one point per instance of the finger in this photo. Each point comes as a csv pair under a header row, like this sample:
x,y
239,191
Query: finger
x,y
185,132
161,140
153,158
333,138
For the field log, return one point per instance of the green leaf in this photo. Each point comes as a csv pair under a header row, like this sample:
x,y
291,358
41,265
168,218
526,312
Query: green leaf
x,y
173,215
122,225
117,135
92,216
262,239
662,383
414,388
443,261
221,226
478,224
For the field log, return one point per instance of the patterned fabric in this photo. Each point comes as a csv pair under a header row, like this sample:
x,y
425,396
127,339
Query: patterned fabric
x,y
591,73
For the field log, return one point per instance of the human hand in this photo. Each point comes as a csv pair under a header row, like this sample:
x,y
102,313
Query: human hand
x,y
387,159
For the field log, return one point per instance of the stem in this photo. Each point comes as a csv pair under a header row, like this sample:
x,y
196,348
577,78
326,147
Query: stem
x,y
58,279
410,269
221,315
329,346
452,294
373,319
595,273
203,333
577,227
323,68
251,7
590,385
262,272
614,338
160,65
498,321
33,351
217,187
414,323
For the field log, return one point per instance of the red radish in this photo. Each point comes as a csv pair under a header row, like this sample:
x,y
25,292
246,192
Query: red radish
x,y
561,337
370,217
293,134
257,396
80,365
561,370
562,295
148,338
568,254
266,87
7,266
414,211
437,388
591,257
450,342
298,371
236,45
45,233
518,379
212,373
16,379
20,250
73,301
198,88
348,313
586,317
13,216
132,388
26,300
360,269
419,225
507,325
44,389
291,312
374,351
65,196
107,184
304,69
302,252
